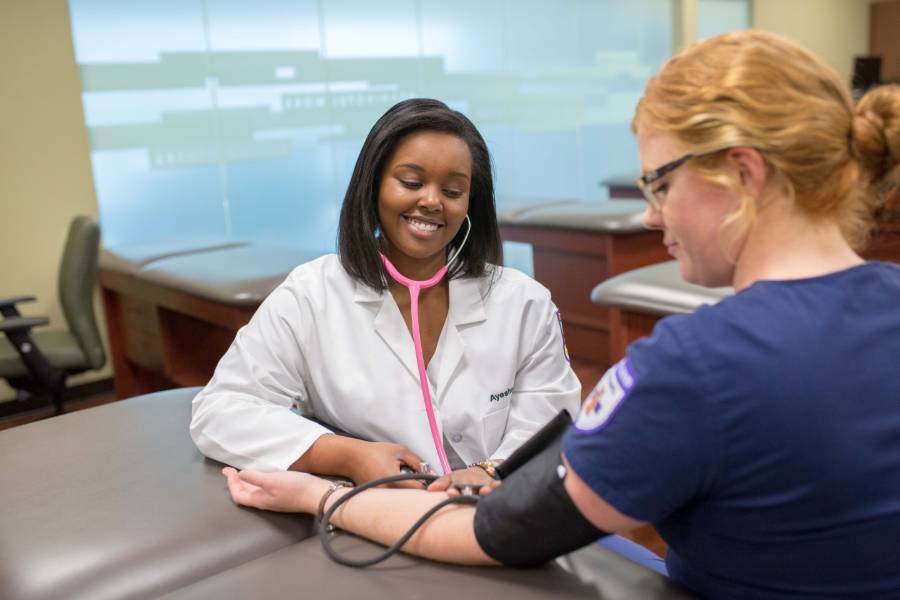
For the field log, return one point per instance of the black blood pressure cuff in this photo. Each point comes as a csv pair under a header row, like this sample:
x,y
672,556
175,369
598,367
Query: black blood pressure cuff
x,y
530,519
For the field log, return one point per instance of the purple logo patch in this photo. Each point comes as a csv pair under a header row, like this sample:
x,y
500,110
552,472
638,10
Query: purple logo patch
x,y
603,401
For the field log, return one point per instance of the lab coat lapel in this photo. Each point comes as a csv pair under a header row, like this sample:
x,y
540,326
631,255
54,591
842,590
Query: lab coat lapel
x,y
466,310
389,326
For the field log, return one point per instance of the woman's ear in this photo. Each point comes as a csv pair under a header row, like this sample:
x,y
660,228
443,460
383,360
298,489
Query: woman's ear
x,y
751,167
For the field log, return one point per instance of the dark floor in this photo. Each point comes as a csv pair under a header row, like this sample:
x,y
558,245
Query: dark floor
x,y
47,411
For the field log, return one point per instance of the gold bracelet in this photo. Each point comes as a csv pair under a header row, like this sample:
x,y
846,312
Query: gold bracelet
x,y
488,466
335,485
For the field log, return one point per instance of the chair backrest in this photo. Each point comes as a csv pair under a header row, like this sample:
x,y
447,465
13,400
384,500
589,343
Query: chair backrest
x,y
77,278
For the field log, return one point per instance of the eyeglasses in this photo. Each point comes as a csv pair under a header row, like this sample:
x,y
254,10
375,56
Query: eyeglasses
x,y
644,182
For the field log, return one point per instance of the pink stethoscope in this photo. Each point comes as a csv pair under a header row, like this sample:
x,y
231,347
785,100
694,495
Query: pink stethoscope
x,y
414,288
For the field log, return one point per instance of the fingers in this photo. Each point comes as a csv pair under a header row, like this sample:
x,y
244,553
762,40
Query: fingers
x,y
240,494
472,476
243,492
440,485
232,478
410,459
487,489
257,478
411,484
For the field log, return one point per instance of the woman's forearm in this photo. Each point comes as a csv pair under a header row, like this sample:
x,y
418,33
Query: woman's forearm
x,y
384,515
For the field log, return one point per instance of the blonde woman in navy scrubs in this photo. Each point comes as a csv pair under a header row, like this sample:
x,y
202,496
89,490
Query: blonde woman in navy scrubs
x,y
760,436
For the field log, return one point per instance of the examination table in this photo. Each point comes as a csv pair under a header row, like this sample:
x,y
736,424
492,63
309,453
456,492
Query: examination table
x,y
639,298
116,502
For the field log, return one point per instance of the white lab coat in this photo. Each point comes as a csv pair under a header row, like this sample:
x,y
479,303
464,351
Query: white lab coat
x,y
329,343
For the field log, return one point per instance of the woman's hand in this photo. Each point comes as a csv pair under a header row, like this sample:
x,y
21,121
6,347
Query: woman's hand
x,y
283,491
474,476
358,460
382,459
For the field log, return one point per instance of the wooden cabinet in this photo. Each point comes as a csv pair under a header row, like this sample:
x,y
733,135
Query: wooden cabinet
x,y
173,315
884,24
162,337
570,262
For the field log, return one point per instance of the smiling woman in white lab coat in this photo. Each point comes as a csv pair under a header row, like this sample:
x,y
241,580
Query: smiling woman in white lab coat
x,y
334,340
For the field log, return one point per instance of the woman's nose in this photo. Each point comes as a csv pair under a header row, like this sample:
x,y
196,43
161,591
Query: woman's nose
x,y
430,198
652,218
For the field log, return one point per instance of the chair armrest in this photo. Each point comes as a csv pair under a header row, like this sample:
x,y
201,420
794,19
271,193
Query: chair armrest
x,y
24,324
18,332
16,300
8,305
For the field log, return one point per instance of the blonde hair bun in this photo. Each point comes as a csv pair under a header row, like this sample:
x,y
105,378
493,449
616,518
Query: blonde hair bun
x,y
875,136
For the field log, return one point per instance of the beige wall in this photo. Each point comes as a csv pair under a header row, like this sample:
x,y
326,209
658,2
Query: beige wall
x,y
684,26
45,171
835,30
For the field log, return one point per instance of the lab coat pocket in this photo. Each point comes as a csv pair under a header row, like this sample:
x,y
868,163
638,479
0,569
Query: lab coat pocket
x,y
495,426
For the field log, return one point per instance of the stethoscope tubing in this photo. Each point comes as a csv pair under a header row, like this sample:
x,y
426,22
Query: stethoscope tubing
x,y
414,288
325,533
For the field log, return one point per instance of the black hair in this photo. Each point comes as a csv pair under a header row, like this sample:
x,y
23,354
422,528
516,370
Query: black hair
x,y
357,244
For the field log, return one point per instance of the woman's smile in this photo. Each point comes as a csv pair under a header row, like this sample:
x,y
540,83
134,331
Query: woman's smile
x,y
422,227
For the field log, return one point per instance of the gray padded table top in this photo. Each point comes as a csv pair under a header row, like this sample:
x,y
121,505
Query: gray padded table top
x,y
304,571
658,290
243,275
116,502
515,209
606,216
130,258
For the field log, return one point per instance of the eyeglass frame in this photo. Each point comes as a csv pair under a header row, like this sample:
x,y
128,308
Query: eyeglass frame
x,y
644,181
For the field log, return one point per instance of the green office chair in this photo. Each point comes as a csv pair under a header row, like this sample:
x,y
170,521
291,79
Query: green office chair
x,y
37,364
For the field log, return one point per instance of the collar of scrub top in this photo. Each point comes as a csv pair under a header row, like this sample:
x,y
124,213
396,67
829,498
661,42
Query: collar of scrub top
x,y
414,288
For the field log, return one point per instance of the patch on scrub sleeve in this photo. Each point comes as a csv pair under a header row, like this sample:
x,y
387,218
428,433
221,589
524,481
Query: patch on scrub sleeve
x,y
603,401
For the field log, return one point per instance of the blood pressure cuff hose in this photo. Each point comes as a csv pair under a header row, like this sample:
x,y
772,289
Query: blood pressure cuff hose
x,y
530,519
